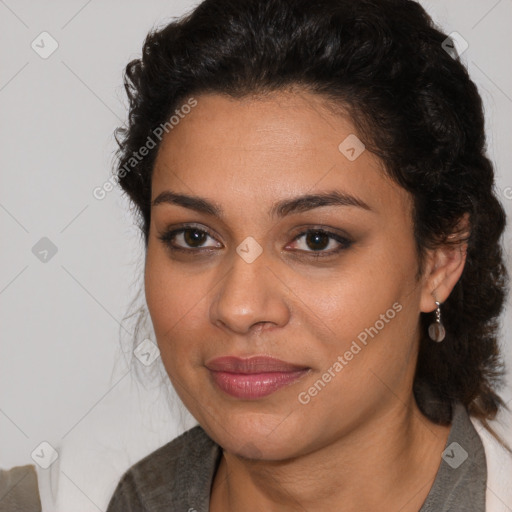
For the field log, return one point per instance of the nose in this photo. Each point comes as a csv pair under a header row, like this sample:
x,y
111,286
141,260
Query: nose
x,y
250,297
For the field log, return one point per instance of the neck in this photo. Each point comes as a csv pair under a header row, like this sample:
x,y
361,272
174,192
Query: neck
x,y
389,463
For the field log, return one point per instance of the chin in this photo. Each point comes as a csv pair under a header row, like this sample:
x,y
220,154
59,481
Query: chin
x,y
259,438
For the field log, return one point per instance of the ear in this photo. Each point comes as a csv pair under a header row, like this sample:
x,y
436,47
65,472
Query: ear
x,y
444,266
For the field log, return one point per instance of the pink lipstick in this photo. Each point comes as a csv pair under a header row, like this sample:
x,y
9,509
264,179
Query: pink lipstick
x,y
254,377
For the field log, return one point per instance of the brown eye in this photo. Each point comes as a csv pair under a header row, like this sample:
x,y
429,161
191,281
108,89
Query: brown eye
x,y
316,241
194,237
190,239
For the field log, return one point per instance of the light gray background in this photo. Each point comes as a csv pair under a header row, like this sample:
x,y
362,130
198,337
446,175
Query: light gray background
x,y
63,378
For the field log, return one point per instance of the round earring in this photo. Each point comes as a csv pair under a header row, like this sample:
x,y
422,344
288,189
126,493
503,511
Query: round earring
x,y
436,330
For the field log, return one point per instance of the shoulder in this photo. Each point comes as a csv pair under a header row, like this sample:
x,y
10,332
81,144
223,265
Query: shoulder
x,y
499,461
460,482
180,469
19,489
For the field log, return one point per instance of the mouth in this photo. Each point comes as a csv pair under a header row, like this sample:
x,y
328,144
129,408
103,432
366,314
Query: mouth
x,y
254,377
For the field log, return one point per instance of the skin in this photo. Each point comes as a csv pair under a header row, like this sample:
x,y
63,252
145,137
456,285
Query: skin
x,y
361,443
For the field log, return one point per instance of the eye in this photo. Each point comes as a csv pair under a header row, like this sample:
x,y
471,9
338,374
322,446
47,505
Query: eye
x,y
316,241
187,239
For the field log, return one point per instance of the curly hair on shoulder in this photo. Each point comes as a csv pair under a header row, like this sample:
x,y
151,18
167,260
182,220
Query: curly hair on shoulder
x,y
414,106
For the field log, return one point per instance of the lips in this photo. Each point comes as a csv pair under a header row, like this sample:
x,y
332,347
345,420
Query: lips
x,y
251,365
254,377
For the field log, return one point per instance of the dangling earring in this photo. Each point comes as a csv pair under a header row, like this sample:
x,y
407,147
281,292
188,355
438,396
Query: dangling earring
x,y
436,330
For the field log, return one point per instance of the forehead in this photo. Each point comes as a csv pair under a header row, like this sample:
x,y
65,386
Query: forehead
x,y
245,151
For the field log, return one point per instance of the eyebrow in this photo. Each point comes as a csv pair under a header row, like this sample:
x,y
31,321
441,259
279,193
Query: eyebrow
x,y
279,209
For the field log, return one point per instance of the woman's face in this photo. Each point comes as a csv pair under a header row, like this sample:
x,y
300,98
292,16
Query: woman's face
x,y
341,309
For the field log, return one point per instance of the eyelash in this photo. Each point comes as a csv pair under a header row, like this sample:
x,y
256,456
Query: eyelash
x,y
168,236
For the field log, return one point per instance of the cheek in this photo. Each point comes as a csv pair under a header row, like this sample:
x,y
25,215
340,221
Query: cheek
x,y
366,285
174,301
368,310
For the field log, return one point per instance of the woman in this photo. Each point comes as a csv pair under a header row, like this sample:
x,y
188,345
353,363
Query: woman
x,y
323,269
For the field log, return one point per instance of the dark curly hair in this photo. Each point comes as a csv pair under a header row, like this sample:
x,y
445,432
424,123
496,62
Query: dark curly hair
x,y
414,105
